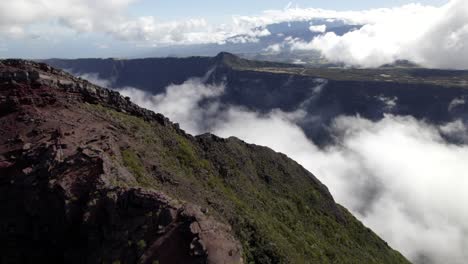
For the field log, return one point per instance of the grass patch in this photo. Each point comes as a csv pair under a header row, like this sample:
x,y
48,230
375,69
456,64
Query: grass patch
x,y
132,162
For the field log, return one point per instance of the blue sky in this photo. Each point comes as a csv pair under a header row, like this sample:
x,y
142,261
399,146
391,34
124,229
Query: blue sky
x,y
220,10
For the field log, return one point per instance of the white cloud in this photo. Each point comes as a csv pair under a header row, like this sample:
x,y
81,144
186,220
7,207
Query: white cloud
x,y
390,102
298,62
241,39
274,48
290,14
80,15
398,175
17,19
94,78
456,103
318,28
188,31
434,37
181,102
456,130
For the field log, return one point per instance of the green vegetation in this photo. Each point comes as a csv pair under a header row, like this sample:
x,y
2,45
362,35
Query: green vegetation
x,y
141,244
400,75
278,210
134,164
187,156
408,73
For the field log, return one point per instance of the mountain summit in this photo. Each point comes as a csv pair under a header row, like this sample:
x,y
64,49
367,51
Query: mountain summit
x,y
86,176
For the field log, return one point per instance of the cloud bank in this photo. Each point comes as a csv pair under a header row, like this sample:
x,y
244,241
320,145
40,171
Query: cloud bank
x,y
34,19
431,36
398,175
79,15
434,37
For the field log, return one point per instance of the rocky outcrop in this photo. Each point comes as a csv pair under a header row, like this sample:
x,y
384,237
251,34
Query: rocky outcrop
x,y
58,198
18,73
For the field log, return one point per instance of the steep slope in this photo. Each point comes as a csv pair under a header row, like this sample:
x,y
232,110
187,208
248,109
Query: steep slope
x,y
87,176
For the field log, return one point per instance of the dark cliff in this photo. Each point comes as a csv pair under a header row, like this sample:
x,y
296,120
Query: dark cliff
x,y
86,176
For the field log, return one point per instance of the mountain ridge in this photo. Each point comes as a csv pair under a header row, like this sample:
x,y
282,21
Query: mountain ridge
x,y
108,181
263,86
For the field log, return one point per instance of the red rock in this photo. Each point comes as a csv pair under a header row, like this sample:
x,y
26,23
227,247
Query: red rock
x,y
5,164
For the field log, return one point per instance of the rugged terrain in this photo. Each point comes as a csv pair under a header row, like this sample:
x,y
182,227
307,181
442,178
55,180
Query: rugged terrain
x,y
86,176
438,96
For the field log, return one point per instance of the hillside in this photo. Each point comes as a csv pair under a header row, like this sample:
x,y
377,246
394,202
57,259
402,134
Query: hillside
x,y
86,176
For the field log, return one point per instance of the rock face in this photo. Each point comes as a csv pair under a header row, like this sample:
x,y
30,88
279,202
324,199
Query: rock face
x,y
86,176
56,200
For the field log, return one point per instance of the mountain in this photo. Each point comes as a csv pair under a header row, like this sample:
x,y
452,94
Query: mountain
x,y
434,95
86,176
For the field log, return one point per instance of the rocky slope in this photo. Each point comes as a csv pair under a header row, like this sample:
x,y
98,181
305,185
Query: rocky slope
x,y
86,176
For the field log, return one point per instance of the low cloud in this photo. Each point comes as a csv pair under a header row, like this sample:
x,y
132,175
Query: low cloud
x,y
398,175
93,78
456,131
455,103
182,103
273,49
390,102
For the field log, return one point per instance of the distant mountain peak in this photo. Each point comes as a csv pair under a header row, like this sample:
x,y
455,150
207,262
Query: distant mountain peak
x,y
225,55
227,59
401,64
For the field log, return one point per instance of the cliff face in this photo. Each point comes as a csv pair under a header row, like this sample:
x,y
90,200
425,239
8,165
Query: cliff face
x,y
60,200
86,176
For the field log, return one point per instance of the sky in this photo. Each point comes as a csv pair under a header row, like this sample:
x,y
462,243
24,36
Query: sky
x,y
222,10
39,29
